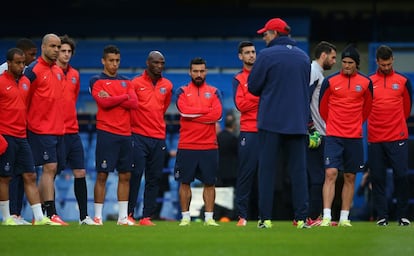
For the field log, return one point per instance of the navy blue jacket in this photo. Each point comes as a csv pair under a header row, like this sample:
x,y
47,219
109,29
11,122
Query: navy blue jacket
x,y
280,76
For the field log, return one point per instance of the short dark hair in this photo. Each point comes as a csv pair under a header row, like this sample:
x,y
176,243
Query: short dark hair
x,y
384,52
287,29
323,46
12,51
25,44
243,44
198,61
110,49
65,39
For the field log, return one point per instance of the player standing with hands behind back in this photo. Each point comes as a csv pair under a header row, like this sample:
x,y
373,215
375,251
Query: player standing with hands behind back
x,y
388,136
148,133
45,121
74,154
345,103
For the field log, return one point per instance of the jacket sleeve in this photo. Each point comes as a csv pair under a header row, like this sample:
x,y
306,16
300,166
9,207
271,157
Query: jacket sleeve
x,y
111,101
368,102
184,107
243,100
407,99
77,88
214,111
167,100
132,102
3,144
105,102
324,95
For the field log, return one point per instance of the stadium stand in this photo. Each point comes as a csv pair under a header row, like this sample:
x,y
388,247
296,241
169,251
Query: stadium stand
x,y
221,56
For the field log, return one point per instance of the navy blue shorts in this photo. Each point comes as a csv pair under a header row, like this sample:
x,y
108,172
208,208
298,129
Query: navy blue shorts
x,y
199,164
113,152
47,149
18,157
345,154
74,154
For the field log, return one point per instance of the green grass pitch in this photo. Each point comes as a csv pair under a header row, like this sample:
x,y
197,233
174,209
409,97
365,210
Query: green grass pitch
x,y
167,238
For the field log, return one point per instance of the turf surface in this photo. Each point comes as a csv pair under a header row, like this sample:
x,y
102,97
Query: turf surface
x,y
167,238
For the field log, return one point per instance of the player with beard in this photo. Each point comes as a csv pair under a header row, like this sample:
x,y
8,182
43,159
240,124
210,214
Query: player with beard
x,y
388,136
200,107
325,58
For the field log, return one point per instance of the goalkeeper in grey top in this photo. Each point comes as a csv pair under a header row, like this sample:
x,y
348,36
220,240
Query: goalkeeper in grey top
x,y
325,58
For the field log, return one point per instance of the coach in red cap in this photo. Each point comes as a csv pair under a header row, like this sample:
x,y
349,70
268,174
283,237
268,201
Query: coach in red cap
x,y
273,27
275,24
280,76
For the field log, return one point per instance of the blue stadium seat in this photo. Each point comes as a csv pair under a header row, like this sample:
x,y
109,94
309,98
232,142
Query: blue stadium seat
x,y
85,137
219,53
27,212
70,210
84,81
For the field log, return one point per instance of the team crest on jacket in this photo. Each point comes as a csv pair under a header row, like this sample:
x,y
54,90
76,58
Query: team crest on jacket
x,y
395,86
73,80
163,90
358,88
25,87
123,84
207,95
59,77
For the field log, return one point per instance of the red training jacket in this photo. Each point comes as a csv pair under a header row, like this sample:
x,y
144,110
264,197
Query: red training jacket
x,y
45,98
391,107
71,86
113,113
344,104
245,102
200,108
13,100
153,101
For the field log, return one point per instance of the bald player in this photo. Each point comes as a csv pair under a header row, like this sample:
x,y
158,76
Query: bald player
x,y
148,131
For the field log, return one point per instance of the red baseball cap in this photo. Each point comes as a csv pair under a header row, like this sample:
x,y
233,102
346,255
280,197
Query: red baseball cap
x,y
275,24
3,144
